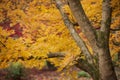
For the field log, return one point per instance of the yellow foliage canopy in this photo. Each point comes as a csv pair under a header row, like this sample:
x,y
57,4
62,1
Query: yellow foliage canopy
x,y
44,31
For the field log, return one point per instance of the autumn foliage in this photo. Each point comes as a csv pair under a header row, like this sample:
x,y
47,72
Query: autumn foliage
x,y
34,28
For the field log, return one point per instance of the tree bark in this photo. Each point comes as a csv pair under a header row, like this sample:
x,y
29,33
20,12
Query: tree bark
x,y
107,72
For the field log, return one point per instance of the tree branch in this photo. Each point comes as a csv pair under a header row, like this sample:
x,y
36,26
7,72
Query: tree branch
x,y
84,24
50,55
3,44
117,29
57,54
106,19
73,32
116,43
83,65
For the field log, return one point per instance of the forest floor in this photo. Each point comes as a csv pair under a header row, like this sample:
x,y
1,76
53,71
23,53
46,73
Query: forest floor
x,y
34,74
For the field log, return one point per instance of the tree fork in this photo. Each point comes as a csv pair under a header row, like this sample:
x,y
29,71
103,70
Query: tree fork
x,y
107,72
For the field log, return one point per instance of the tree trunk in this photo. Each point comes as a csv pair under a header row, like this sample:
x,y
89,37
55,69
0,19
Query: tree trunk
x,y
106,70
105,66
99,42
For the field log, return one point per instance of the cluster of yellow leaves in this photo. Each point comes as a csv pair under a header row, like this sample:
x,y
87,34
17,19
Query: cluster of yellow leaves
x,y
93,9
12,49
43,32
